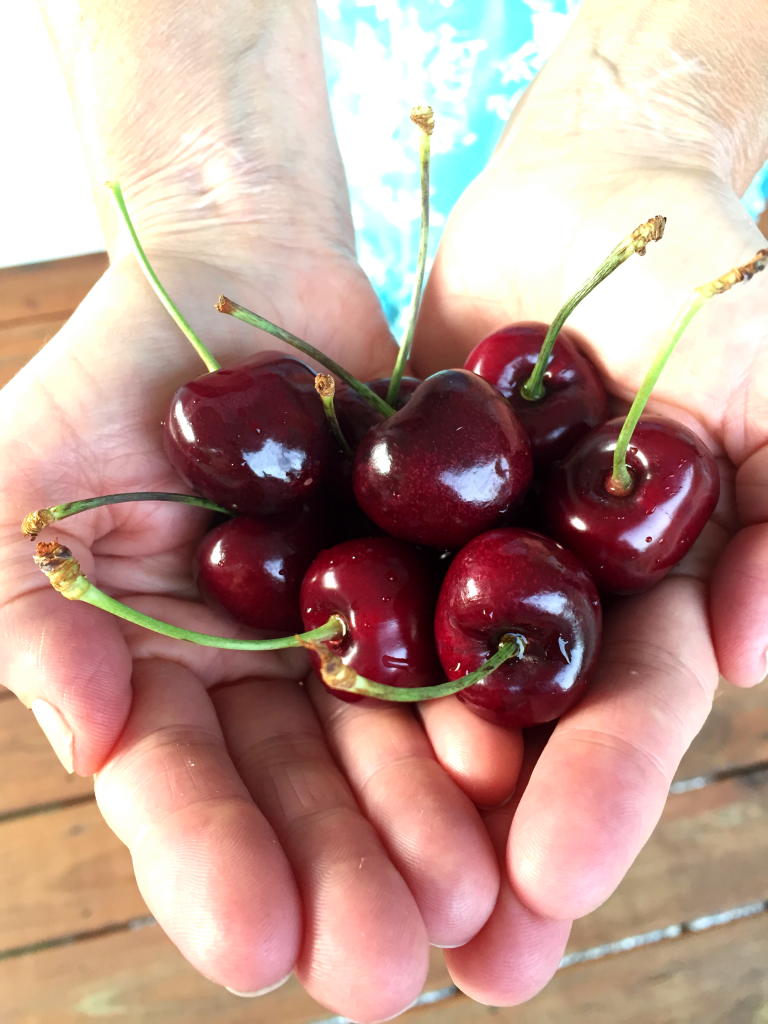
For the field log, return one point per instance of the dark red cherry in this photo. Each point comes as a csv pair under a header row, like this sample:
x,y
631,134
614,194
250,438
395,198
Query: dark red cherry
x,y
575,400
628,543
518,581
386,591
252,436
407,387
447,466
253,568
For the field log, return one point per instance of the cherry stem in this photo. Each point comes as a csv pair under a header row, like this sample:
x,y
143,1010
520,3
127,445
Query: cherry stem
x,y
424,118
225,305
37,521
65,575
620,482
651,231
325,386
338,676
154,281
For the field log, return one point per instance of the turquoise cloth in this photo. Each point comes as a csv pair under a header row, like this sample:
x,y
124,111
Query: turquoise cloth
x,y
469,59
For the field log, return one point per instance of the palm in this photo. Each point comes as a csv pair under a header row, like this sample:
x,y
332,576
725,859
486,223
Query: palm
x,y
523,238
216,768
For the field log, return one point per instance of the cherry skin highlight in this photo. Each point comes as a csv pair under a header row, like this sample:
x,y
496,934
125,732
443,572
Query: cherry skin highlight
x,y
450,464
517,581
629,543
575,399
386,592
251,436
253,568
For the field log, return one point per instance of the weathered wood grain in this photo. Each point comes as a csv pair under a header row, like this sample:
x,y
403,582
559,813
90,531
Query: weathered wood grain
x,y
708,853
138,976
61,873
735,734
712,977
30,773
48,290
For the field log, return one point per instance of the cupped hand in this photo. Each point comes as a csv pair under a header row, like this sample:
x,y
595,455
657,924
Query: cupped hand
x,y
554,200
271,826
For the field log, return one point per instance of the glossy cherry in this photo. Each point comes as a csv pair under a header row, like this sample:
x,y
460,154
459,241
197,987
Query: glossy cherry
x,y
253,568
575,399
407,387
251,436
386,591
628,543
447,466
517,581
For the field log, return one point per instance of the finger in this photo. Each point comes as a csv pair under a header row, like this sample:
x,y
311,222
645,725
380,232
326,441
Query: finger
x,y
483,759
429,827
66,660
517,951
602,781
206,860
364,952
739,596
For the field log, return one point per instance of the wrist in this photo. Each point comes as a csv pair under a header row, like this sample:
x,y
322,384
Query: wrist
x,y
671,85
215,121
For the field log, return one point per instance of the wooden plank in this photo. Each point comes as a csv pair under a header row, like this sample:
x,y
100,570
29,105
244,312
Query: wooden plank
x,y
62,873
717,976
709,853
735,734
30,772
19,342
48,290
139,976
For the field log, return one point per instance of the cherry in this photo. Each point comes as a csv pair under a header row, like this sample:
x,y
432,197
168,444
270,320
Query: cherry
x,y
385,590
512,581
447,466
574,401
253,568
252,436
407,387
629,542
633,496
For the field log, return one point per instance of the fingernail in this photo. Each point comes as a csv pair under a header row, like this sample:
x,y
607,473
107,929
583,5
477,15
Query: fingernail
x,y
60,736
261,991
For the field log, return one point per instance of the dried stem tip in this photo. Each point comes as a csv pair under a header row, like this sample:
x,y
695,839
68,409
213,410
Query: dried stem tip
x,y
651,231
333,671
325,385
37,521
225,305
61,568
738,274
424,118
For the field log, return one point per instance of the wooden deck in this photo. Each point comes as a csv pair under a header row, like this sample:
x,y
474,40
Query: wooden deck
x,y
683,940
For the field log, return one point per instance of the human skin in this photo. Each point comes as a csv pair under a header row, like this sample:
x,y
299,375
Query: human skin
x,y
205,758
646,108
270,825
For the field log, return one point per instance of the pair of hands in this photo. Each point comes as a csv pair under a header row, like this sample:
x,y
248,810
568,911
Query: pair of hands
x,y
273,827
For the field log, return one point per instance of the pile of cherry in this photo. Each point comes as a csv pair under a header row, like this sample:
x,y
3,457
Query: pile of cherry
x,y
436,522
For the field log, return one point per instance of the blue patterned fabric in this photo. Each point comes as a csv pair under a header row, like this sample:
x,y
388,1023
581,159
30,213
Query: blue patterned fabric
x,y
469,59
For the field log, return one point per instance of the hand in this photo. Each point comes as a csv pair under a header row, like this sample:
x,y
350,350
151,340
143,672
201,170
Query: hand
x,y
570,178
270,825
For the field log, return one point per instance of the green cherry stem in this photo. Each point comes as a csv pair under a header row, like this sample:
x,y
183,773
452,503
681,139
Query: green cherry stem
x,y
153,279
63,572
424,118
620,482
325,386
37,521
651,231
338,676
225,305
